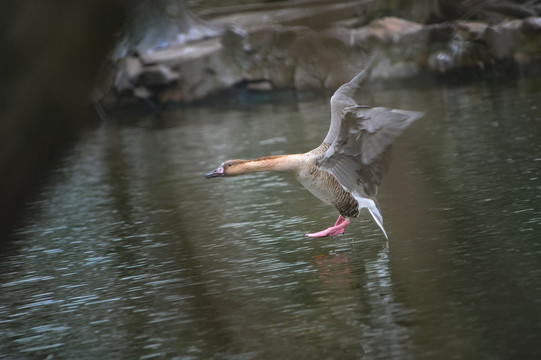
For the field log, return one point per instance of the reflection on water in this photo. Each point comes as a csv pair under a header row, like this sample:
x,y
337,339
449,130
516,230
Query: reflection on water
x,y
130,253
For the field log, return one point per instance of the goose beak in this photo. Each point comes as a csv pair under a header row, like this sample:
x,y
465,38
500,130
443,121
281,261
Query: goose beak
x,y
216,172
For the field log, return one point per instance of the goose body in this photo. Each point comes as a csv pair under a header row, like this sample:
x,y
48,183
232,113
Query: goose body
x,y
347,168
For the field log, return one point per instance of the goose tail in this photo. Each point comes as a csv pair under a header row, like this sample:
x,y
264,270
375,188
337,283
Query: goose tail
x,y
370,205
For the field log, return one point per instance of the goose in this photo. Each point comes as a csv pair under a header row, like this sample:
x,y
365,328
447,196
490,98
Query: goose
x,y
347,168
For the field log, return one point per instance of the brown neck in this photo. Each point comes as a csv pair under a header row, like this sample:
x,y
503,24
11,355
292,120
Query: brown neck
x,y
282,163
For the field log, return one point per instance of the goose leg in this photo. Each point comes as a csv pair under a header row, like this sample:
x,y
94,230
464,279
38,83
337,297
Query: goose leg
x,y
338,228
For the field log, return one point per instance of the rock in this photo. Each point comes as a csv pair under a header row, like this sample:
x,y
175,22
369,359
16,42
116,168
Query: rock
x,y
259,86
179,53
133,67
122,82
531,25
531,46
142,92
503,39
280,46
158,75
324,59
452,56
472,30
129,70
316,15
159,24
385,31
387,70
197,70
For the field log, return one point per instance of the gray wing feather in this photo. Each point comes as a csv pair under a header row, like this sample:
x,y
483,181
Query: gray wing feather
x,y
381,126
359,155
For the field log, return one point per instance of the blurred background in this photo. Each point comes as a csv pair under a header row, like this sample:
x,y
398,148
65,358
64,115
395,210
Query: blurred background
x,y
59,59
113,244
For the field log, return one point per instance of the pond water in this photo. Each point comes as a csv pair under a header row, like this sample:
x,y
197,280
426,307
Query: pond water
x,y
128,252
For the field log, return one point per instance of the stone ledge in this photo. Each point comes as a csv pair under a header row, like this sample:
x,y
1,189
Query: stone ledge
x,y
277,48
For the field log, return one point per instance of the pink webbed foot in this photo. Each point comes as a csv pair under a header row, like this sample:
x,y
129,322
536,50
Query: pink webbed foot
x,y
338,228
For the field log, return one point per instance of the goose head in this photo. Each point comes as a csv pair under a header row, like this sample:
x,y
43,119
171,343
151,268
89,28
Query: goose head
x,y
228,168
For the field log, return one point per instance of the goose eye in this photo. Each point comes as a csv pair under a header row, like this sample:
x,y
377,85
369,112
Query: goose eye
x,y
229,164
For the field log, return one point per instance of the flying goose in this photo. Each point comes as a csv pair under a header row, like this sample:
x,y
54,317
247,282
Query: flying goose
x,y
347,168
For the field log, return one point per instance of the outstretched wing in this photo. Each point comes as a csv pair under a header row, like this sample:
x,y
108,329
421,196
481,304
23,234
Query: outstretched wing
x,y
360,153
343,98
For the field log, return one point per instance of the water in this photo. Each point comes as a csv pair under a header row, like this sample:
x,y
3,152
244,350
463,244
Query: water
x,y
128,252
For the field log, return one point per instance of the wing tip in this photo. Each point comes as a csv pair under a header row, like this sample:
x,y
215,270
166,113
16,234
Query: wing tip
x,y
412,115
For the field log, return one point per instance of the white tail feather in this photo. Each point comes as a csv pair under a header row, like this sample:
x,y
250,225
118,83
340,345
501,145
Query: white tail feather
x,y
377,218
370,205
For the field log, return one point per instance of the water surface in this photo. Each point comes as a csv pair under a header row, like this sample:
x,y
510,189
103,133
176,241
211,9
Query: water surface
x,y
128,252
